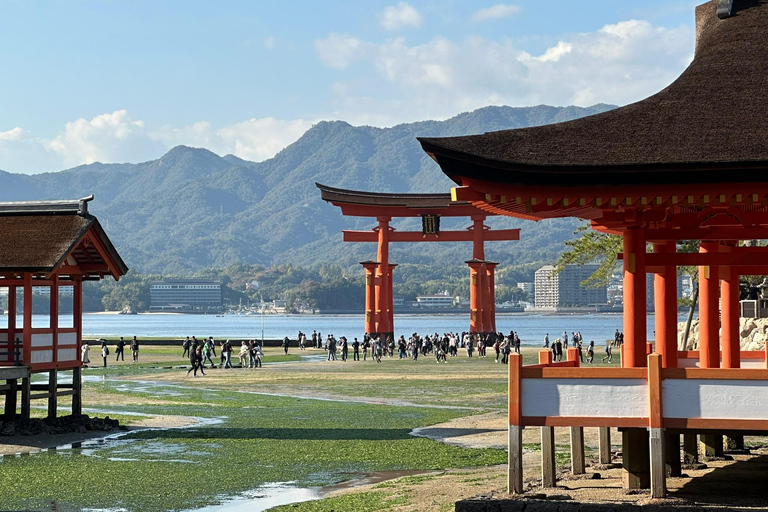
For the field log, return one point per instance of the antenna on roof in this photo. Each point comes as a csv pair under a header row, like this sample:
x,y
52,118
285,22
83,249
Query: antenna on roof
x,y
83,204
724,8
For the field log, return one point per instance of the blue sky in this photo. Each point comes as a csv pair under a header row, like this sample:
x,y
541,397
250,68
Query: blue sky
x,y
84,81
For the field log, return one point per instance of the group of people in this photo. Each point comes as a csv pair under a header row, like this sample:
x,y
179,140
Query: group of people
x,y
561,344
85,350
200,352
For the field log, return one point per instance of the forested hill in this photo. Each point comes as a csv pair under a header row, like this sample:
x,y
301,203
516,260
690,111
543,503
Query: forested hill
x,y
192,209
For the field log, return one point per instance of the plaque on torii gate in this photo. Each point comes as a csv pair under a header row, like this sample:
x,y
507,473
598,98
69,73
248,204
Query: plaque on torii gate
x,y
379,318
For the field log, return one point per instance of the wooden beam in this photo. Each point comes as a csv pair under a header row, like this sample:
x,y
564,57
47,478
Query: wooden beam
x,y
444,236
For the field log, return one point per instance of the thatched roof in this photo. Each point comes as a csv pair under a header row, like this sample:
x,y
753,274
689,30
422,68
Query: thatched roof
x,y
42,236
709,126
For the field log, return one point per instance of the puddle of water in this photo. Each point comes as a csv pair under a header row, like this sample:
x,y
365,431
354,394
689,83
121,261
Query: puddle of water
x,y
370,479
265,497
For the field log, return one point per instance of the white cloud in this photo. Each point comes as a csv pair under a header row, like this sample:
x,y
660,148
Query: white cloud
x,y
254,139
619,63
399,16
340,50
111,137
496,12
269,43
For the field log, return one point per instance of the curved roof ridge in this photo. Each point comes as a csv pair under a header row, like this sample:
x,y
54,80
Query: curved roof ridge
x,y
714,115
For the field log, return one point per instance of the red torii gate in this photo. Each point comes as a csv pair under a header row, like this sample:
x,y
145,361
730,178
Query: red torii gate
x,y
379,318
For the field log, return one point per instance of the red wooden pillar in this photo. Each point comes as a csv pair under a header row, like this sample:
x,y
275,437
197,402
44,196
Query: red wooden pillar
x,y
54,316
729,306
634,349
391,300
370,295
382,280
491,268
77,310
487,299
12,319
709,318
665,307
475,296
478,241
27,323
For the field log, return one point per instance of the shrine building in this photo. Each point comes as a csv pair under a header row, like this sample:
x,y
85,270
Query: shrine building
x,y
51,246
688,163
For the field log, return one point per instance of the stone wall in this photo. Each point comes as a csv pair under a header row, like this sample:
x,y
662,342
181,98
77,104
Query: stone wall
x,y
754,332
528,505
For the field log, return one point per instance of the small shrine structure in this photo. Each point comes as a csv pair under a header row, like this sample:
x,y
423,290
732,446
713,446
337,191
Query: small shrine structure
x,y
50,246
687,163
379,311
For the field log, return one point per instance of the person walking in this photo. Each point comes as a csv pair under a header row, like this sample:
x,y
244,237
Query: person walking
x,y
196,362
497,349
120,349
591,352
104,351
286,342
84,359
581,352
243,355
355,350
135,349
331,347
366,344
226,350
185,345
546,340
344,348
206,353
559,349
608,351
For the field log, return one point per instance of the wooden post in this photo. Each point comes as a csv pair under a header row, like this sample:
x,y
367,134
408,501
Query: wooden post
x,y
77,312
515,455
27,325
634,353
53,321
545,357
77,391
604,442
711,446
658,468
665,306
672,453
10,400
491,267
709,318
25,400
729,307
548,466
381,276
690,449
52,398
577,451
12,318
485,288
635,459
475,297
370,295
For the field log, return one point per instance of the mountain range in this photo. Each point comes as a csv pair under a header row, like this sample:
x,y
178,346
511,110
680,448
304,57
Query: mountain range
x,y
192,209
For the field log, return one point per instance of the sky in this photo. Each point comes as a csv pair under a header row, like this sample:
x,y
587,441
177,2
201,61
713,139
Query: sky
x,y
124,81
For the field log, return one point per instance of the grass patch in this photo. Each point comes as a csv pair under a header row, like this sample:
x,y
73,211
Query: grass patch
x,y
359,502
260,439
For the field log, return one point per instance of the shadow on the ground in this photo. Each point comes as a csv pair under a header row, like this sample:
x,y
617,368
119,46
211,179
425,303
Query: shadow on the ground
x,y
739,484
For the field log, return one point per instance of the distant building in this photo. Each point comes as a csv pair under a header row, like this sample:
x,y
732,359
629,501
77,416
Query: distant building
x,y
398,301
435,301
527,287
563,289
185,295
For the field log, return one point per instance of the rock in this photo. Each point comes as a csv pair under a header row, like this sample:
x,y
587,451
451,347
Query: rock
x,y
596,476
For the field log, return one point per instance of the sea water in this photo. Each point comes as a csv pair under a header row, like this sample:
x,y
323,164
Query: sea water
x,y
530,328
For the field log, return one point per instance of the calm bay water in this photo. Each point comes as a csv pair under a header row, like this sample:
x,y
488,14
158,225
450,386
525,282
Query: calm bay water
x,y
530,328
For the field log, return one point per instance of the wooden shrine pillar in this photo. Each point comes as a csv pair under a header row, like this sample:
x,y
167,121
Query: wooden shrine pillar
x,y
12,319
729,307
486,310
390,301
635,441
53,319
27,321
665,306
475,296
382,277
634,348
77,318
491,269
709,317
370,295
709,335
